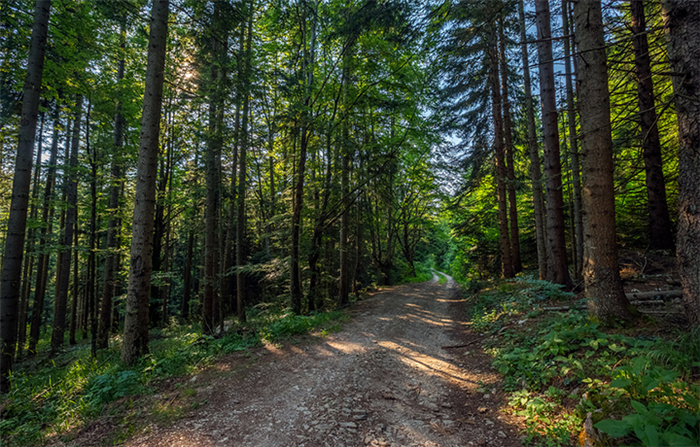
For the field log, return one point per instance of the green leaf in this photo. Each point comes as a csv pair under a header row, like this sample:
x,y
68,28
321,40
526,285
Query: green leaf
x,y
639,365
676,440
639,407
650,385
620,383
652,435
614,428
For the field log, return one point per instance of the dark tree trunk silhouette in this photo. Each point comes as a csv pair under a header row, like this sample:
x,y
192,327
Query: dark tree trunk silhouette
x,y
577,218
108,287
30,256
71,192
187,281
509,158
533,151
46,229
17,222
242,173
557,264
501,173
660,234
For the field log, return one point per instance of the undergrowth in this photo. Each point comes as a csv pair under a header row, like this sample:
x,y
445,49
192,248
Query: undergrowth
x,y
560,368
56,396
442,279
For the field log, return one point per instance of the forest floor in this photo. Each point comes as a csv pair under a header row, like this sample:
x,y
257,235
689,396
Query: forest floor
x,y
403,372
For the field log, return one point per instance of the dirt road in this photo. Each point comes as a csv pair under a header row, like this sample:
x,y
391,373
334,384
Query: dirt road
x,y
385,380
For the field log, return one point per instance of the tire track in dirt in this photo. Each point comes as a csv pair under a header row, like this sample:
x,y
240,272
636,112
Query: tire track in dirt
x,y
384,380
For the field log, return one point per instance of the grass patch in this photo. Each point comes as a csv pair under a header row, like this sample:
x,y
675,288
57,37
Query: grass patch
x,y
442,279
636,386
423,274
54,398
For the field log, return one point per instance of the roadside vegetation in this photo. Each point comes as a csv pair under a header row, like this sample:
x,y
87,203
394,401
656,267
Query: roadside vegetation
x,y
562,372
56,397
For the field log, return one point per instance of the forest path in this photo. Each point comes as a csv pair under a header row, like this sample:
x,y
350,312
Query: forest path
x,y
384,380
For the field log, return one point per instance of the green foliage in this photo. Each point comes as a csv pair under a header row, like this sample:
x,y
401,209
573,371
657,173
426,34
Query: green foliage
x,y
545,418
666,410
58,396
423,273
634,388
289,324
442,279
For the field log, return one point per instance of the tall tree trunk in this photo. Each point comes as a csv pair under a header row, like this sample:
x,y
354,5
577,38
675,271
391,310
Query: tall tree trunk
x,y
557,265
242,182
660,233
92,304
577,217
29,252
308,72
213,178
187,282
74,293
71,191
17,222
509,159
682,22
108,286
501,174
135,340
228,288
343,243
46,229
533,151
606,298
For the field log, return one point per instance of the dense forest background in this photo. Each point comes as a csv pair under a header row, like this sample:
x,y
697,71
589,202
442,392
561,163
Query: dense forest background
x,y
296,152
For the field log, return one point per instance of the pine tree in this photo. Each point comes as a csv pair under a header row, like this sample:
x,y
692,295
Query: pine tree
x,y
135,341
606,298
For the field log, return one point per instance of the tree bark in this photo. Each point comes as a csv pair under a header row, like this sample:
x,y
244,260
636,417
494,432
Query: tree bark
x,y
71,191
135,341
533,151
46,229
682,22
606,298
308,72
501,175
17,222
108,287
660,233
577,217
213,176
30,256
187,282
557,265
242,175
75,302
343,244
509,159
